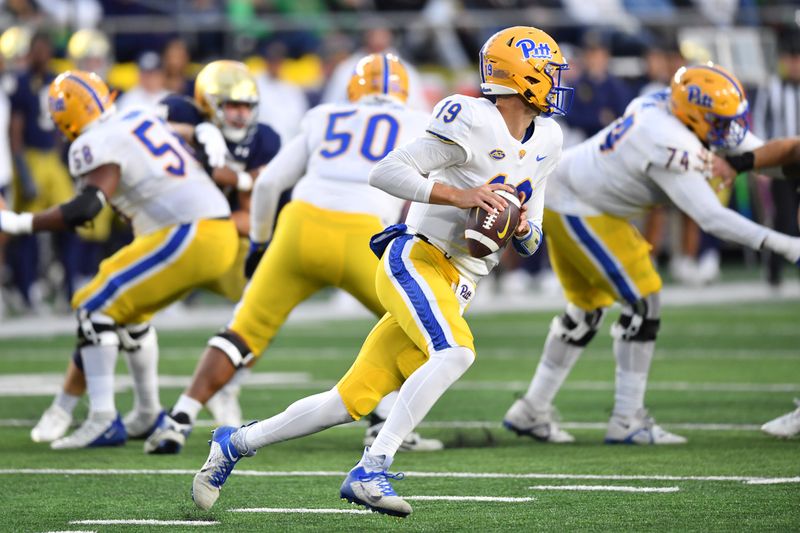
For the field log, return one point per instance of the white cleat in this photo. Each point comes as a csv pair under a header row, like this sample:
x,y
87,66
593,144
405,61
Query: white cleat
x,y
140,424
224,406
785,426
412,443
100,429
541,424
369,484
53,425
639,429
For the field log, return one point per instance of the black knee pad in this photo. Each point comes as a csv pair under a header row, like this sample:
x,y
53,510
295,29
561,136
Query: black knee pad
x,y
95,329
577,330
636,328
233,346
130,337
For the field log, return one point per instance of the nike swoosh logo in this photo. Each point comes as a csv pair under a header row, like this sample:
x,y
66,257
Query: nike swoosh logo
x,y
502,234
540,157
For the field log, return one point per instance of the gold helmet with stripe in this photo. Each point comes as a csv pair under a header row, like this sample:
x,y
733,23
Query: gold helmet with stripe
x,y
76,99
379,76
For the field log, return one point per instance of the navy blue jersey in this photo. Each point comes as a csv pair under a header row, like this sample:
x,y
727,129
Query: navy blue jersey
x,y
30,98
254,151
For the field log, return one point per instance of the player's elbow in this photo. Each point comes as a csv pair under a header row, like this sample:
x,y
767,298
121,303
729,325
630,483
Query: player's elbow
x,y
378,174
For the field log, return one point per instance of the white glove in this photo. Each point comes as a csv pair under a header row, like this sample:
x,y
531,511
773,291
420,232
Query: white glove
x,y
16,223
788,247
213,143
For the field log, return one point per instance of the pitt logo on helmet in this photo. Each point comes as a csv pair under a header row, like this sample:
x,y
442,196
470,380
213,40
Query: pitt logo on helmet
x,y
697,96
530,50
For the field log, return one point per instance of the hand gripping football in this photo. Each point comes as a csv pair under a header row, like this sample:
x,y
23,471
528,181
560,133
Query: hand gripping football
x,y
487,232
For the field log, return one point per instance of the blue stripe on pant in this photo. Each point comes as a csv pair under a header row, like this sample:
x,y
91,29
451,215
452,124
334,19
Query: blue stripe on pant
x,y
414,292
139,268
606,261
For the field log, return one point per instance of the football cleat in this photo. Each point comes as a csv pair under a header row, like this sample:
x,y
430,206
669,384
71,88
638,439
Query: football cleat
x,y
368,484
98,430
141,424
170,434
53,425
541,424
224,406
412,443
639,429
219,465
784,426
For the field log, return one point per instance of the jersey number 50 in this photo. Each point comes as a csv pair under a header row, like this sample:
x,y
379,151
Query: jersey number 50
x,y
178,166
369,148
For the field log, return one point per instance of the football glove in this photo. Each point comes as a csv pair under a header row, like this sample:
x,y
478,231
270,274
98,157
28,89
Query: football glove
x,y
213,144
254,257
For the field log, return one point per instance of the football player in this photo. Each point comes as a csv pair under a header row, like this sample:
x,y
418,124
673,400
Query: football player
x,y
659,151
426,277
225,101
184,237
321,236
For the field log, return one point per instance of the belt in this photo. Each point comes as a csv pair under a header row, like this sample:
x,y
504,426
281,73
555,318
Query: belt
x,y
426,240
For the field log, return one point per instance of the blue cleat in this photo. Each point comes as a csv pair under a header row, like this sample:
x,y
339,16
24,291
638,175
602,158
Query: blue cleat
x,y
141,424
368,484
219,465
100,429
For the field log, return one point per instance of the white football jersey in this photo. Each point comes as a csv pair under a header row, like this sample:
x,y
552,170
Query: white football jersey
x,y
493,155
344,142
161,184
608,173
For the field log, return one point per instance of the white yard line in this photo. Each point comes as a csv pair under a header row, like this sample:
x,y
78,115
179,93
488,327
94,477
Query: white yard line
x,y
312,510
143,522
773,481
471,424
604,488
446,475
497,499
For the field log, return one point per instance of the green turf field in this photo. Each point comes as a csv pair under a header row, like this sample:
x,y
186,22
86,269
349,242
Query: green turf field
x,y
720,371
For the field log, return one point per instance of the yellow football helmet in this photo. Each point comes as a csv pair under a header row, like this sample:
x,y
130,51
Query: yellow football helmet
x,y
15,43
76,99
89,50
226,81
379,76
526,61
711,102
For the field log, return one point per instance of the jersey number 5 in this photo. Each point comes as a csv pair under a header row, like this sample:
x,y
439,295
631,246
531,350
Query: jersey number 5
x,y
385,144
177,167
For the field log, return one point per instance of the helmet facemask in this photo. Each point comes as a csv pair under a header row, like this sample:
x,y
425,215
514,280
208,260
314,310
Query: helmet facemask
x,y
726,132
228,118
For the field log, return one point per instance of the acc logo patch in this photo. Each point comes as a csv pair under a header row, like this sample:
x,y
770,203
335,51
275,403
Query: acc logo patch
x,y
531,50
497,154
697,96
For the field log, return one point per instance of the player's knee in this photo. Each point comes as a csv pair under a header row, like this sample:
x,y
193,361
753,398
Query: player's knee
x,y
133,336
577,326
454,361
96,329
232,346
639,321
359,400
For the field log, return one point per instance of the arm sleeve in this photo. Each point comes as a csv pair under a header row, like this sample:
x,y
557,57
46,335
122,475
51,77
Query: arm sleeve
x,y
692,195
283,172
403,172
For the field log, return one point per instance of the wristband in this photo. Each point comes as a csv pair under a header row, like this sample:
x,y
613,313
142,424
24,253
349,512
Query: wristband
x,y
741,162
16,223
244,181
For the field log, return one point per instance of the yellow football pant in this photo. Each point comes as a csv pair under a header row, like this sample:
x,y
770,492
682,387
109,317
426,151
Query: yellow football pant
x,y
312,248
231,284
599,259
159,268
417,285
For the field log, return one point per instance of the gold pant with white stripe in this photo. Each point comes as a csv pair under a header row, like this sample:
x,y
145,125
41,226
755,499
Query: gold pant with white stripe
x,y
599,259
417,285
159,268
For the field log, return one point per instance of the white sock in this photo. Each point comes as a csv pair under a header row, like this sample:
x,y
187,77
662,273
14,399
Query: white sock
x,y
383,408
66,401
143,366
98,366
557,361
633,366
239,377
188,405
418,394
304,417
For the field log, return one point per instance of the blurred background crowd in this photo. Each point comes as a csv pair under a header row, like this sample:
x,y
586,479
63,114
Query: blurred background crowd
x,y
303,52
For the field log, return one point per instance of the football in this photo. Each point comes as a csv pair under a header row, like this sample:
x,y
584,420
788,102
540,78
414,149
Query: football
x,y
488,232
